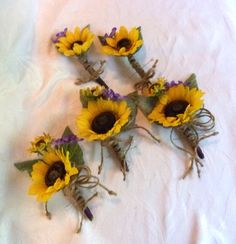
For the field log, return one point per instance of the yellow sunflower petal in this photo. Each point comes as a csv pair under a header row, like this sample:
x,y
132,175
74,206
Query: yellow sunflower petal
x,y
110,51
36,188
111,42
122,50
64,41
59,184
40,167
123,32
69,53
77,49
84,34
77,33
134,34
74,171
70,37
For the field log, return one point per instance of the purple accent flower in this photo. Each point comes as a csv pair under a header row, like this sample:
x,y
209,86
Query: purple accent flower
x,y
66,139
88,213
110,94
176,83
111,35
59,35
200,153
187,83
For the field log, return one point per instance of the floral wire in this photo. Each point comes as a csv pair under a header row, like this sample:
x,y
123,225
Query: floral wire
x,y
143,128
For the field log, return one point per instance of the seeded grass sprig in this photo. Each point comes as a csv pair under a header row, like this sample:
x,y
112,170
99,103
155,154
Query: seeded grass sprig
x,y
179,106
60,166
126,44
77,44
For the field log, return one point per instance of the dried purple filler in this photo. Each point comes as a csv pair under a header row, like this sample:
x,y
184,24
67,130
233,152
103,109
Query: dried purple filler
x,y
110,94
65,140
176,83
173,83
59,35
88,213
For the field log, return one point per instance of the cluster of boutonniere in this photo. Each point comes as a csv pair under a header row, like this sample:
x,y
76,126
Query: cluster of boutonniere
x,y
105,114
177,105
59,166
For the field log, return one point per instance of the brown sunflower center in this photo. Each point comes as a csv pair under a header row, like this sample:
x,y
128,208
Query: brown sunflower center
x,y
176,107
39,143
55,171
77,42
125,42
102,123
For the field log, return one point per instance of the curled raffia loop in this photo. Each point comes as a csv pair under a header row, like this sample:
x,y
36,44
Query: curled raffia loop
x,y
85,179
204,120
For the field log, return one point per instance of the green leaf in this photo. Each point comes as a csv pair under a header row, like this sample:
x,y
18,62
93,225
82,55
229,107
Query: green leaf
x,y
132,105
100,38
26,165
67,132
86,27
192,81
76,153
140,33
146,104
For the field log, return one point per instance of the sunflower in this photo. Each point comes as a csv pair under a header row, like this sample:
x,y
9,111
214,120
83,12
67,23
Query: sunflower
x,y
41,144
75,43
102,119
177,106
123,43
51,174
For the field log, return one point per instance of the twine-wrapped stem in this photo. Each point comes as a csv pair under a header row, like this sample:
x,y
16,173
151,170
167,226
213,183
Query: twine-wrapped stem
x,y
145,76
95,74
198,129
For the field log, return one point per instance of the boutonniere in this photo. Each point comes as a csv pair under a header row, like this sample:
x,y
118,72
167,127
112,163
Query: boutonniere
x,y
105,115
59,166
179,106
124,43
76,44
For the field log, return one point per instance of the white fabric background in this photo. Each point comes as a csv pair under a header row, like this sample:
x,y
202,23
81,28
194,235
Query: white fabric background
x,y
37,94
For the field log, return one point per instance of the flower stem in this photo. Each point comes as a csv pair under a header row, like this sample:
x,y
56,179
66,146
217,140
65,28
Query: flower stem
x,y
136,66
145,76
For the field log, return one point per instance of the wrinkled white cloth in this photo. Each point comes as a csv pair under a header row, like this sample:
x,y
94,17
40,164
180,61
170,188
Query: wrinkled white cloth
x,y
37,94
